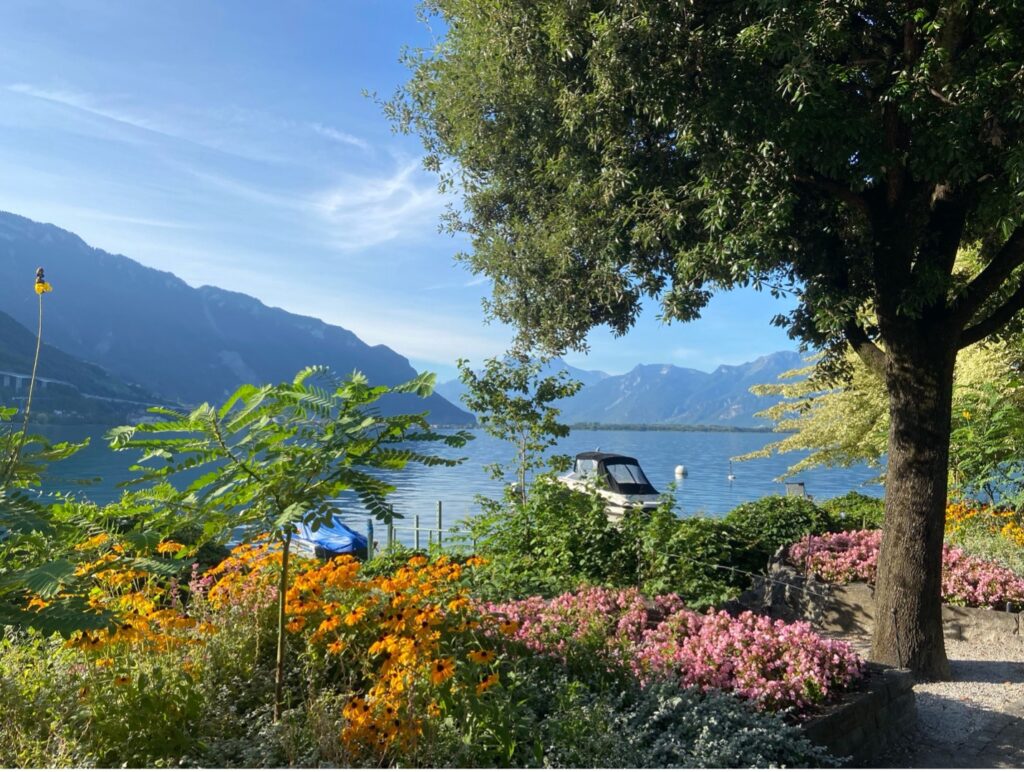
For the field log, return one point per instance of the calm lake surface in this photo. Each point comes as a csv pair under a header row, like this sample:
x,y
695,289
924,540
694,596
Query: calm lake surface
x,y
706,489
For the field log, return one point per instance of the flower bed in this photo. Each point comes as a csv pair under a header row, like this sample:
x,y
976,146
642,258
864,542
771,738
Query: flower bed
x,y
770,663
853,556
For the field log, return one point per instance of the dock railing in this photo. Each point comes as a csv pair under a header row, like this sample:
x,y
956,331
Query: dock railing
x,y
422,532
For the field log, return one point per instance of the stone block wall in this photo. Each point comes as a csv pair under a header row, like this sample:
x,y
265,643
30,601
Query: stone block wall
x,y
865,723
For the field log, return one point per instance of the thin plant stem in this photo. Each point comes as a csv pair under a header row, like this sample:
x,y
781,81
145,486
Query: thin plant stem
x,y
12,460
282,590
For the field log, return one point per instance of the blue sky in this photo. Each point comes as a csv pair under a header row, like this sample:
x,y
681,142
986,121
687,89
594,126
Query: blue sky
x,y
230,143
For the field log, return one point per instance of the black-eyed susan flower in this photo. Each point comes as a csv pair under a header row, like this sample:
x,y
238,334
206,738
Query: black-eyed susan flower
x,y
487,683
482,656
441,670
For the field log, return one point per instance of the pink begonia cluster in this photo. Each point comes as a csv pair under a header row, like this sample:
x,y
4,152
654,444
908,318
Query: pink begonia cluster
x,y
773,664
853,556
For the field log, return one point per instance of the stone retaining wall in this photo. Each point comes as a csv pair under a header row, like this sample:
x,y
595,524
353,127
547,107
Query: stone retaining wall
x,y
867,722
850,608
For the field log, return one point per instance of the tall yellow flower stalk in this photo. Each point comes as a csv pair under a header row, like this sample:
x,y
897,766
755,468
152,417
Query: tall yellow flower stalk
x,y
41,287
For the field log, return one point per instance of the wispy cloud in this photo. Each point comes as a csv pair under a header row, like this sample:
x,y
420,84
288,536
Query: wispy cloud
x,y
369,210
336,135
211,130
88,103
682,353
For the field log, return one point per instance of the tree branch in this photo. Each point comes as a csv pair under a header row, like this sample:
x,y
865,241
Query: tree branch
x,y
866,349
837,191
981,287
994,321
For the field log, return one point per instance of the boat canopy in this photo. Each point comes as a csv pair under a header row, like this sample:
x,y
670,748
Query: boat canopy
x,y
327,541
622,474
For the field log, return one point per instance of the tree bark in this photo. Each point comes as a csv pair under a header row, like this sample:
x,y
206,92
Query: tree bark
x,y
908,617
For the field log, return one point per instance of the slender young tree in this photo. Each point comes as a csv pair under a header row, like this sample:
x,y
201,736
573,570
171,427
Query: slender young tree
x,y
514,403
614,150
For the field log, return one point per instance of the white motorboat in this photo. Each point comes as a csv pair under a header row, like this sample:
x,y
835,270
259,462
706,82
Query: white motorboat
x,y
619,480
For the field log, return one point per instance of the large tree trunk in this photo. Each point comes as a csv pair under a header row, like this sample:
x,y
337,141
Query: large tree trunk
x,y
908,618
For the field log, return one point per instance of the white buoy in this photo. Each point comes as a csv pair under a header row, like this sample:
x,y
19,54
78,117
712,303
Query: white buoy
x,y
680,471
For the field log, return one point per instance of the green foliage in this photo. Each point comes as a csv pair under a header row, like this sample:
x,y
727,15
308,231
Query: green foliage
x,y
855,510
513,403
560,538
771,522
692,557
550,543
273,456
987,443
847,422
841,424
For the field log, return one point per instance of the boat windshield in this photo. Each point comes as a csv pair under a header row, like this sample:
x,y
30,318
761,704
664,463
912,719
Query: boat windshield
x,y
586,467
627,474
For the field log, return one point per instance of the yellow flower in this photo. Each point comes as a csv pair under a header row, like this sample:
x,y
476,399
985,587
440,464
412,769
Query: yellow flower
x,y
482,656
104,662
487,683
295,624
967,414
337,647
441,670
508,628
96,541
166,547
122,680
37,603
475,561
354,616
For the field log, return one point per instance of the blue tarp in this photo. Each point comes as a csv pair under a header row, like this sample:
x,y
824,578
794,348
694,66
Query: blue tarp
x,y
334,539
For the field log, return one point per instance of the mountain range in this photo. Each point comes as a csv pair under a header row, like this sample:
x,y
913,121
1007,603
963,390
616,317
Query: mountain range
x,y
667,394
119,335
182,344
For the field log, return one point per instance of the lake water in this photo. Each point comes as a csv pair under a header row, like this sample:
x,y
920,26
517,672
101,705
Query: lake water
x,y
706,489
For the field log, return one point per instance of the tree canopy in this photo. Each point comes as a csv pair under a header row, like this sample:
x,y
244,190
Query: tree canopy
x,y
842,150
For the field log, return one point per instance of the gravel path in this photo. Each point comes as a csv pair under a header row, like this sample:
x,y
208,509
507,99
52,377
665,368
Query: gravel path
x,y
976,720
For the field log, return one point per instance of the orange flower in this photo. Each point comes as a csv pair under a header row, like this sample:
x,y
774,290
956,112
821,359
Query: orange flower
x,y
482,656
104,662
355,615
93,542
166,547
508,628
295,624
441,670
122,680
487,683
458,604
337,647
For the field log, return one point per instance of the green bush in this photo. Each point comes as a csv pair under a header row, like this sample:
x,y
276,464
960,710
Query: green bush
x,y
855,510
764,525
556,540
691,557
